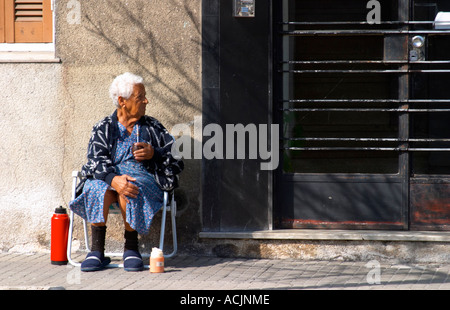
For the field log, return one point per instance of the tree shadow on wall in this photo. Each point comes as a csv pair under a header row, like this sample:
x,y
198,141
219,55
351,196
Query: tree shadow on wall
x,y
145,50
166,62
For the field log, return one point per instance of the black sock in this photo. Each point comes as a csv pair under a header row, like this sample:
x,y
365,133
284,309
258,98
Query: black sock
x,y
98,238
131,240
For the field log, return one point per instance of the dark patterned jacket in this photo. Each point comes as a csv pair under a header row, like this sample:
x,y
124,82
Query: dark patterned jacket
x,y
102,147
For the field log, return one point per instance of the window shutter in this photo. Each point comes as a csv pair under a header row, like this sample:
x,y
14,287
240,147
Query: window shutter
x,y
28,21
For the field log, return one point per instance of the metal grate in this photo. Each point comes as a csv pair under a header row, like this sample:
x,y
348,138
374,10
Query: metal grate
x,y
360,67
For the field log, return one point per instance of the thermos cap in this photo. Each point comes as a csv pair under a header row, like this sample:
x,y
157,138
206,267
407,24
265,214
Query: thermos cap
x,y
60,210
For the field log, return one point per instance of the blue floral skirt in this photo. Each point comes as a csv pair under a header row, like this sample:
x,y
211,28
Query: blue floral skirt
x,y
139,211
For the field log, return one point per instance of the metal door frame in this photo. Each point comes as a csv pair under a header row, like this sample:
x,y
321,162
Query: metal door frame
x,y
400,35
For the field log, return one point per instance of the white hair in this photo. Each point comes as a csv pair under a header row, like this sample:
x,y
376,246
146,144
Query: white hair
x,y
122,86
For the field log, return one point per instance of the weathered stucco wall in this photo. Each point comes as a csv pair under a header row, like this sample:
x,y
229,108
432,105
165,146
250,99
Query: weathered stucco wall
x,y
32,152
48,110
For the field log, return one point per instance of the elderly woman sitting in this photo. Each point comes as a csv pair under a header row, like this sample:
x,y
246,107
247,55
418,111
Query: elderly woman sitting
x,y
129,161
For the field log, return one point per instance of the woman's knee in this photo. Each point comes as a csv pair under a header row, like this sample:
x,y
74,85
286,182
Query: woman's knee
x,y
110,198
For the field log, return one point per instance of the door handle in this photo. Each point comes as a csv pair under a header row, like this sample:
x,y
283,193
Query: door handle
x,y
417,48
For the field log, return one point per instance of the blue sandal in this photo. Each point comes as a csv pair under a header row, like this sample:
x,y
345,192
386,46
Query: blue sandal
x,y
95,261
132,261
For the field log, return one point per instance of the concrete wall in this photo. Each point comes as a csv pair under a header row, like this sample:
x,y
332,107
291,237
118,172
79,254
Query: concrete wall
x,y
48,109
32,152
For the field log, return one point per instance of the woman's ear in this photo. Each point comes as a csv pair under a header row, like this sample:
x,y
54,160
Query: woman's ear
x,y
121,101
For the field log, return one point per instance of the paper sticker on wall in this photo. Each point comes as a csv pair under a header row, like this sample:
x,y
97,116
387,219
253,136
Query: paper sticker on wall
x,y
244,8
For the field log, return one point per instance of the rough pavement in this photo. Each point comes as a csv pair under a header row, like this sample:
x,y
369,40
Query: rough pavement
x,y
35,272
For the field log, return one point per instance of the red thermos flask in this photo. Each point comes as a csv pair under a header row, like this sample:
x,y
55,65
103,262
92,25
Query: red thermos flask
x,y
59,236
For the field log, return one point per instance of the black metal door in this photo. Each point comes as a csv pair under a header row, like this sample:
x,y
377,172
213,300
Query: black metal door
x,y
364,115
429,142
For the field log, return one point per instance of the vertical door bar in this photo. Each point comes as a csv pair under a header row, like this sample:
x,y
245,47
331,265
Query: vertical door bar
x,y
403,94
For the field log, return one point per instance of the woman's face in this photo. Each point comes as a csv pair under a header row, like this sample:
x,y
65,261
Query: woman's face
x,y
135,105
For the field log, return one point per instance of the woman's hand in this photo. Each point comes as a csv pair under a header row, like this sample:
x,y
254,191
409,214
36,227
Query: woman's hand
x,y
144,151
124,187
